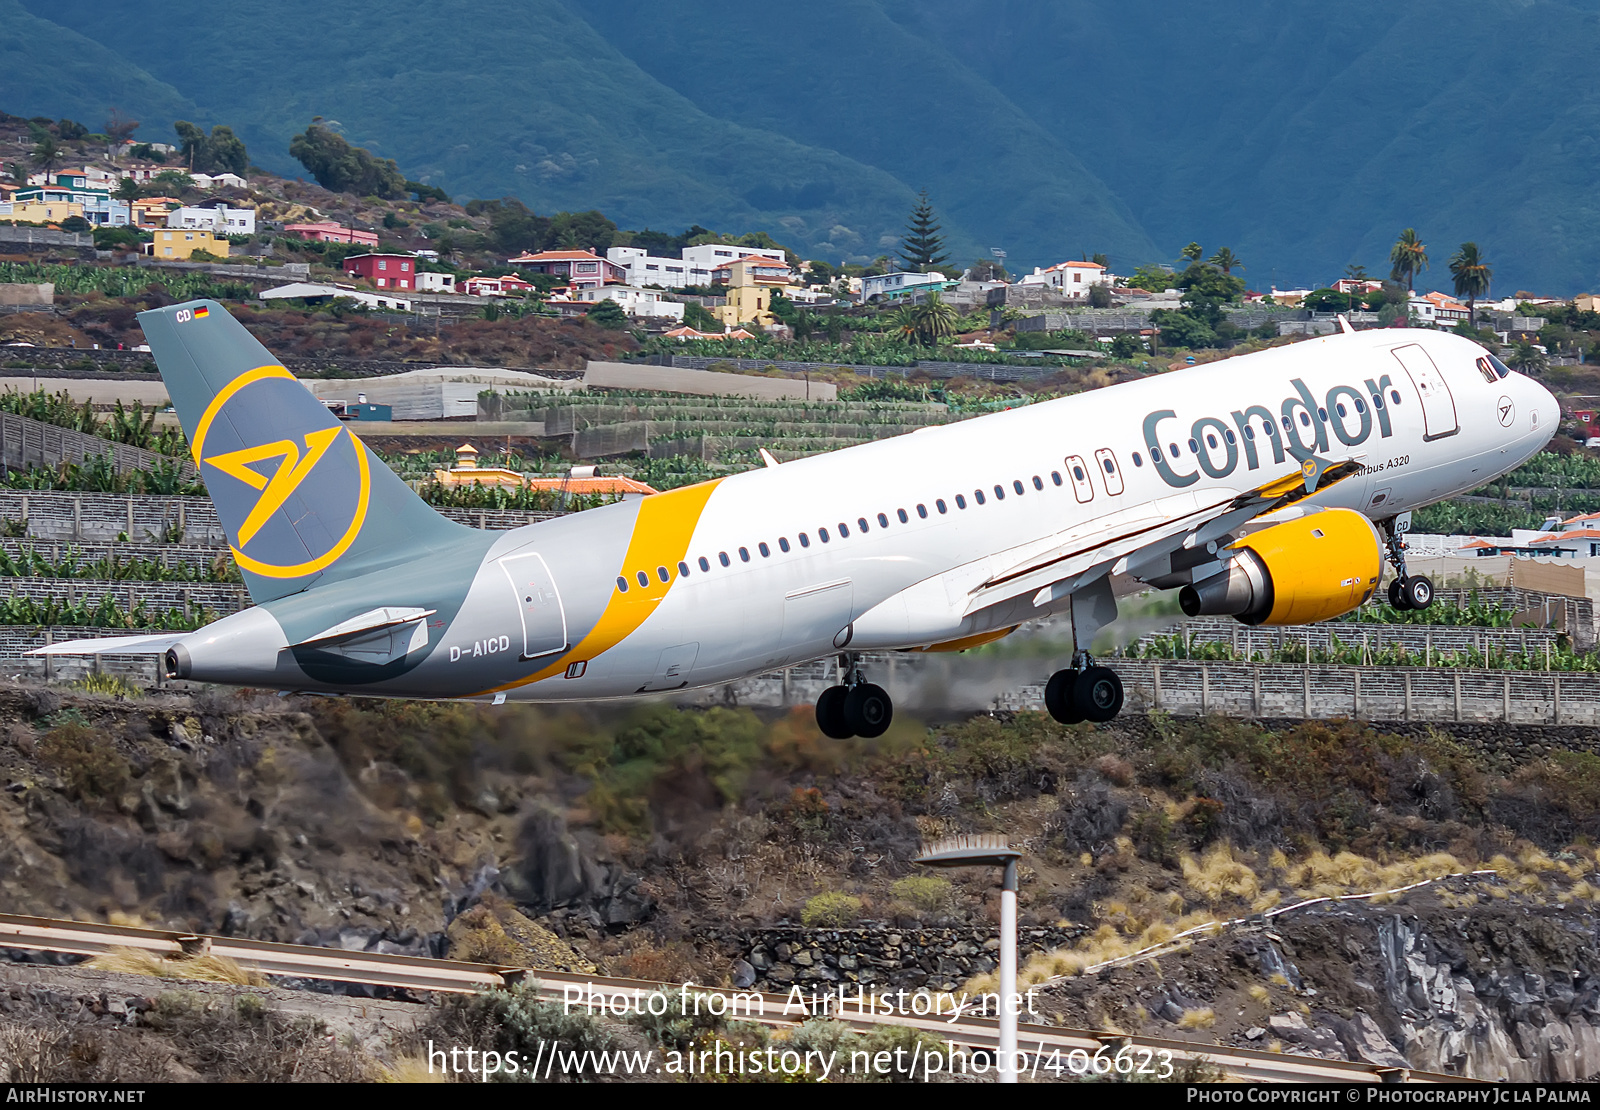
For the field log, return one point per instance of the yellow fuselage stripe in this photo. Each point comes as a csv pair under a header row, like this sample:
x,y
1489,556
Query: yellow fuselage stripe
x,y
661,534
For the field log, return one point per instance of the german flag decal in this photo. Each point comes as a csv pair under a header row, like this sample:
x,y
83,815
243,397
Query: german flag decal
x,y
202,312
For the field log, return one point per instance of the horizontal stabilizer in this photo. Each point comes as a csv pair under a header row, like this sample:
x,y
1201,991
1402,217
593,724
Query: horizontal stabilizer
x,y
113,645
374,620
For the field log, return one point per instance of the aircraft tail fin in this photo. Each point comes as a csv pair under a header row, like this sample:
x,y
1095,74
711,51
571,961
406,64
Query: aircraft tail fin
x,y
300,496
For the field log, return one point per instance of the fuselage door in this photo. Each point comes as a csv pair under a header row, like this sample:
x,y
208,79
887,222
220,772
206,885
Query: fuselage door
x,y
544,621
1110,473
1078,471
1438,406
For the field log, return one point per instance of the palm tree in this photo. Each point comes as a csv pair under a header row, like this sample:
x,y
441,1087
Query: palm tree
x,y
1527,358
1193,252
46,152
1226,261
1409,257
928,322
1472,276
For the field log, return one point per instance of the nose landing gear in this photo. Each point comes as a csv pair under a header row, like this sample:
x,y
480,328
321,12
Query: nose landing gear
x,y
856,707
1083,692
1406,591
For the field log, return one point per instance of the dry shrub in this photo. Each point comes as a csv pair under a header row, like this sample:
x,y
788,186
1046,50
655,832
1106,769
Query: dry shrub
x,y
412,1069
205,968
87,761
1203,1018
1218,875
1114,769
668,962
477,937
1260,993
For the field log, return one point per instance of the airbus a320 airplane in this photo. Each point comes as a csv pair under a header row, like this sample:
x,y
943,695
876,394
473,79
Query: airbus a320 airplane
x,y
1266,486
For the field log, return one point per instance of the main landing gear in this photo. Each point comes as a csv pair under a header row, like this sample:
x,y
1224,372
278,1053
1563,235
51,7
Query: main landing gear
x,y
1406,591
855,708
1083,692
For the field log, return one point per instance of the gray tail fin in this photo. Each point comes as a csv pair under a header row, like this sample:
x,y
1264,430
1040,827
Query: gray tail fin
x,y
300,497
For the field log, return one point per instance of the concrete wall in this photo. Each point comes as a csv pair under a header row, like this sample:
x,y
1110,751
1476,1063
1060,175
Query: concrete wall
x,y
639,375
42,295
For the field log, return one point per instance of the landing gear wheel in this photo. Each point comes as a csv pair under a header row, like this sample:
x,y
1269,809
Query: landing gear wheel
x,y
1058,697
1097,694
1397,596
1417,591
868,710
830,714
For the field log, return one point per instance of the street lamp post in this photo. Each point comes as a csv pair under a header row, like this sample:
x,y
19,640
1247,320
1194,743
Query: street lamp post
x,y
990,850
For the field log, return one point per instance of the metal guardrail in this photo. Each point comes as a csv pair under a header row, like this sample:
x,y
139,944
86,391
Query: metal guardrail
x,y
419,973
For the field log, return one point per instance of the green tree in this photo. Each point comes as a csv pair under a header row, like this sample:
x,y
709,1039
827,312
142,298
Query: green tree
x,y
1226,261
1355,272
128,190
986,269
70,130
1408,258
1099,295
342,168
220,152
609,314
1472,276
1527,358
46,152
1193,252
1100,260
928,322
698,317
922,247
1152,278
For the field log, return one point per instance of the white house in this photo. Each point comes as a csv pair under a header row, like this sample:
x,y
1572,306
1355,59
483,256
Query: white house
x,y
435,283
644,268
635,302
219,181
898,284
709,256
218,219
316,291
1071,279
1437,309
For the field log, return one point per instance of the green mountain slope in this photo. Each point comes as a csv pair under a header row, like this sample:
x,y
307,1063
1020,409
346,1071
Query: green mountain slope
x,y
853,78
1305,137
47,69
522,100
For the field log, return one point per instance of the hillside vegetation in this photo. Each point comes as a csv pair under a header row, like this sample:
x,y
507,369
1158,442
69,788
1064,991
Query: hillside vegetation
x,y
1304,137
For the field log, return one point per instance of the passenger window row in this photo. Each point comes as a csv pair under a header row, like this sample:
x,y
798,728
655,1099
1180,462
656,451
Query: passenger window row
x,y
1075,466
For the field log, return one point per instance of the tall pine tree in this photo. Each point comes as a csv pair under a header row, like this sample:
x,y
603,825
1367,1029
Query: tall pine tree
x,y
922,247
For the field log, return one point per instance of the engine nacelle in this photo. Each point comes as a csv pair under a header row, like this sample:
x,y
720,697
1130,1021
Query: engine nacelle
x,y
1313,568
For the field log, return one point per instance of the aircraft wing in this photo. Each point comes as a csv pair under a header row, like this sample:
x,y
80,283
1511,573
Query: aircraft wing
x,y
113,645
1143,537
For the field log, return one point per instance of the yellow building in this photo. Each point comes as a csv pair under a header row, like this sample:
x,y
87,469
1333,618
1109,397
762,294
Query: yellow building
x,y
750,282
179,244
39,211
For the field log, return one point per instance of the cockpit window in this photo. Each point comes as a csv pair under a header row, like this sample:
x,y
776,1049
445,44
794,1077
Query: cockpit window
x,y
1500,368
1487,371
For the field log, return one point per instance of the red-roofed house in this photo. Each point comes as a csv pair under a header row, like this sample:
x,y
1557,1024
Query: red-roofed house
x,y
333,233
1071,279
1437,309
508,286
752,269
386,271
582,269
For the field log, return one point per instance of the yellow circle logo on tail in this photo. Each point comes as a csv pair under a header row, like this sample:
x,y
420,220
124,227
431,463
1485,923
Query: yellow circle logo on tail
x,y
269,471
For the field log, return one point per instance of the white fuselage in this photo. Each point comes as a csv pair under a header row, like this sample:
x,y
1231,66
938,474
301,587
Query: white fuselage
x,y
919,574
